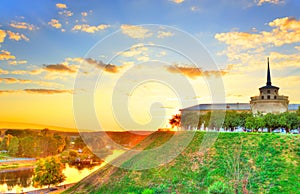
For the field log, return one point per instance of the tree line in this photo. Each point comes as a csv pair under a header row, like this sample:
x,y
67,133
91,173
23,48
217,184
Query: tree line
x,y
232,119
28,143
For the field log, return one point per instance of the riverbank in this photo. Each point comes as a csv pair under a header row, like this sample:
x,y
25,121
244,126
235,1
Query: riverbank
x,y
12,164
55,190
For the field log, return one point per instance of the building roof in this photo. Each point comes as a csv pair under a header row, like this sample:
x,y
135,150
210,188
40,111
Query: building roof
x,y
220,106
228,106
269,82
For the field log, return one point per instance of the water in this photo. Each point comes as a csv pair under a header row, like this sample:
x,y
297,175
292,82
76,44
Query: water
x,y
19,180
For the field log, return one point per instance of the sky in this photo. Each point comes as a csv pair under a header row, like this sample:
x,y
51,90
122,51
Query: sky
x,y
130,65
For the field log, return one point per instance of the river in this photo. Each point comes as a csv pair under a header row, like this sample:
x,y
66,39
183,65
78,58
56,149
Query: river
x,y
19,180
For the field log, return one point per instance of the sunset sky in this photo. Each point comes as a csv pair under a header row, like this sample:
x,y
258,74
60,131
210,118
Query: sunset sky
x,y
67,63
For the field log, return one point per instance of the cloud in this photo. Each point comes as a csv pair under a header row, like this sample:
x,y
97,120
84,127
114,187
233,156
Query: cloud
x,y
61,6
286,31
54,23
177,1
5,55
60,68
194,72
89,29
37,91
163,34
66,13
2,35
23,25
276,2
134,50
8,91
84,14
17,62
138,32
47,91
16,36
195,9
110,68
3,71
11,80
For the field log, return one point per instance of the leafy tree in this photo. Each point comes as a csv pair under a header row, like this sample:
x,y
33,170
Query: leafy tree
x,y
189,119
79,143
298,111
13,147
48,172
255,122
216,119
288,120
271,121
175,120
231,119
4,143
28,148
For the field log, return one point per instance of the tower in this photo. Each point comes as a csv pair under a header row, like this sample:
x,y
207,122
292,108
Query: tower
x,y
269,100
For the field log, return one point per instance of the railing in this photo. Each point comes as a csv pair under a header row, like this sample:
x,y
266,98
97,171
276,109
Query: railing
x,y
277,98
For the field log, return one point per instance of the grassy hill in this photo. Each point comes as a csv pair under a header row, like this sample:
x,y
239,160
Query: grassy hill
x,y
236,163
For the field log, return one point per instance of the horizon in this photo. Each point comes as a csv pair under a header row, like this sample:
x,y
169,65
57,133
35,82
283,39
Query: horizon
x,y
52,51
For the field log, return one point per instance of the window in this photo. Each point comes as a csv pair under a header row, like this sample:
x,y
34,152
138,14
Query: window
x,y
268,91
275,91
275,97
262,97
269,97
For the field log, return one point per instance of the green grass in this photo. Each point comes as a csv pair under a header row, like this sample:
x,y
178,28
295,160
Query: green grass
x,y
259,163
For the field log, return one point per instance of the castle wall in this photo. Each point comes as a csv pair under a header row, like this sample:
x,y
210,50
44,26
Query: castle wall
x,y
269,106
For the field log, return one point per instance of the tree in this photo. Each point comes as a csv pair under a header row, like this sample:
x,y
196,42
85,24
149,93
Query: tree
x,y
232,119
48,172
13,147
298,111
271,121
175,120
288,120
189,119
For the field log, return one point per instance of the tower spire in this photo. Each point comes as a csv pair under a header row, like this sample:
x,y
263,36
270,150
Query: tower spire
x,y
269,83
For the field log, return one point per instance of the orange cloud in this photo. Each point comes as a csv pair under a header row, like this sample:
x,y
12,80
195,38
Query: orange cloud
x,y
54,23
110,68
177,1
2,35
47,91
38,91
89,29
8,91
17,62
16,36
61,6
194,72
11,80
135,31
5,55
23,25
59,68
3,71
286,31
276,2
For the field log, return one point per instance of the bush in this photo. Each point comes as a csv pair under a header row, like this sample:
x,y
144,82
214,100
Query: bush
x,y
148,191
219,188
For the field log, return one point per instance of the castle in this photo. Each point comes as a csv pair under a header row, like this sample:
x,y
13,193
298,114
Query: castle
x,y
268,101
